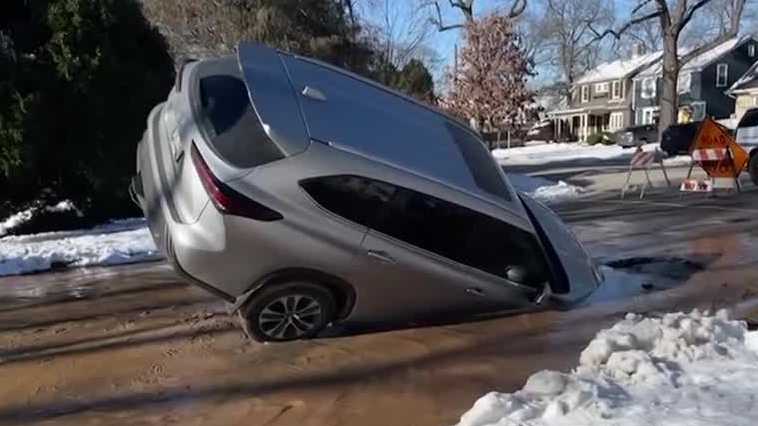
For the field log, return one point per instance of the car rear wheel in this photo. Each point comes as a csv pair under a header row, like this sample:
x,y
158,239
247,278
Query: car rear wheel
x,y
288,312
753,168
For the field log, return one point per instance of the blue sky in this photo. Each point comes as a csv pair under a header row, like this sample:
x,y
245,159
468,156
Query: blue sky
x,y
444,43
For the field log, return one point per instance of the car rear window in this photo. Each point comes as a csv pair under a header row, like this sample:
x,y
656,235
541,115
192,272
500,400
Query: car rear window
x,y
479,161
236,132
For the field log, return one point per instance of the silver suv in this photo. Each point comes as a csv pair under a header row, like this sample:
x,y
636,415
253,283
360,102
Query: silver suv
x,y
306,195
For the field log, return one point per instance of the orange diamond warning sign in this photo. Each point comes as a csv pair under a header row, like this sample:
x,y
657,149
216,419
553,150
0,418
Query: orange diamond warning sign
x,y
716,151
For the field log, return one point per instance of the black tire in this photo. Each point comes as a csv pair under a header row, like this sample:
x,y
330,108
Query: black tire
x,y
270,317
753,168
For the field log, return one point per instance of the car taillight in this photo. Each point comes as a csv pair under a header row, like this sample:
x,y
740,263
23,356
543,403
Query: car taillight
x,y
226,199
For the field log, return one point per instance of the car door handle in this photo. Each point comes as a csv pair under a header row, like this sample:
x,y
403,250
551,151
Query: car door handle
x,y
381,256
476,292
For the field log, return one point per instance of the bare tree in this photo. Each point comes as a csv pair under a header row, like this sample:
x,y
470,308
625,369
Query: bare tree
x,y
715,19
489,88
568,25
673,16
645,36
402,32
466,8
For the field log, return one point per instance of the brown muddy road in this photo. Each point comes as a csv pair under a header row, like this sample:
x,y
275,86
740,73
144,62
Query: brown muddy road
x,y
133,345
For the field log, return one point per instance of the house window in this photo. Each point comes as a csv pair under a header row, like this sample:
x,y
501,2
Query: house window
x,y
601,88
648,88
685,82
698,111
617,121
722,75
585,94
751,50
650,115
617,92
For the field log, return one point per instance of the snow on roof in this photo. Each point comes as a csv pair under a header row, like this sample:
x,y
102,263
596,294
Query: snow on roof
x,y
747,81
618,69
702,60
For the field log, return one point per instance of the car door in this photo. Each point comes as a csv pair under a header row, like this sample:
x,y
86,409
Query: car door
x,y
425,256
575,275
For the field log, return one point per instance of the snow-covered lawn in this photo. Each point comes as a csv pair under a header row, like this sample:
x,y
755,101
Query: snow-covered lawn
x,y
675,370
545,190
544,153
123,241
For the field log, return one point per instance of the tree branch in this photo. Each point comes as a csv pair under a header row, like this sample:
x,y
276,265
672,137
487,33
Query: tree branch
x,y
517,8
690,12
617,33
437,22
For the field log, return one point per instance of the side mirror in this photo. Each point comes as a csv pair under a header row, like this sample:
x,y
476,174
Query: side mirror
x,y
517,274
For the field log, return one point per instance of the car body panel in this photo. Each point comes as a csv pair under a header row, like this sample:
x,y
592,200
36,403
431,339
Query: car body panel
x,y
411,284
580,270
747,130
637,135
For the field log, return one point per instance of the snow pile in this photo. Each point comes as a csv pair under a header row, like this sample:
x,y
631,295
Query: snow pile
x,y
556,193
557,152
544,190
120,242
676,370
24,216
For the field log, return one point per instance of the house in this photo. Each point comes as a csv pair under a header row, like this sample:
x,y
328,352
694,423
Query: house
x,y
703,82
745,92
601,100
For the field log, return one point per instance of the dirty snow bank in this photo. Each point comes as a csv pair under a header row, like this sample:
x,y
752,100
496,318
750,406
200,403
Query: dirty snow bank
x,y
676,370
545,190
123,241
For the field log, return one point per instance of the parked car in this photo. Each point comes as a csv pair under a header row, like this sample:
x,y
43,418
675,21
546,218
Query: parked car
x,y
306,195
637,135
747,137
541,131
677,139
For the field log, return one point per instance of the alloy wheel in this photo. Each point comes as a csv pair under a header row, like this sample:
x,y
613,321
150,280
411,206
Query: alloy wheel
x,y
291,316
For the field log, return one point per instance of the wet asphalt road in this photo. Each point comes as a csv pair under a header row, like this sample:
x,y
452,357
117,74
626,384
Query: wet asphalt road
x,y
133,345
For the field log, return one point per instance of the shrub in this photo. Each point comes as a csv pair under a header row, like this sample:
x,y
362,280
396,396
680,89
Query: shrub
x,y
83,76
605,138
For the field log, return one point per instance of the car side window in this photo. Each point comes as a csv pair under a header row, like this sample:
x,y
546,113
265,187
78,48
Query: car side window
x,y
464,235
355,198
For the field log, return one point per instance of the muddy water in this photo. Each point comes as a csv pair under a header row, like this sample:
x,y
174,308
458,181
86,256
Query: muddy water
x,y
133,345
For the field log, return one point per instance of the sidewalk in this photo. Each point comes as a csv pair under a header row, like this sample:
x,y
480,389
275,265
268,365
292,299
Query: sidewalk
x,y
610,179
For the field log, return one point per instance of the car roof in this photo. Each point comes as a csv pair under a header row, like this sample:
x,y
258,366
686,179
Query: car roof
x,y
301,99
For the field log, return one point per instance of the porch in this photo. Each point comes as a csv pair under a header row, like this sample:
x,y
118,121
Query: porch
x,y
579,124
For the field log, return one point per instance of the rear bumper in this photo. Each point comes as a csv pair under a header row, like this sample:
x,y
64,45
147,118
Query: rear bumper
x,y
187,247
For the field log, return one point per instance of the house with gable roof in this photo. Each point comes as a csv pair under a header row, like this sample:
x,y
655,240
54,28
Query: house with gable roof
x,y
703,82
601,99
745,92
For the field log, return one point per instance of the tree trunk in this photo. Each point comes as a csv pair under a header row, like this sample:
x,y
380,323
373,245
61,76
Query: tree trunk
x,y
669,93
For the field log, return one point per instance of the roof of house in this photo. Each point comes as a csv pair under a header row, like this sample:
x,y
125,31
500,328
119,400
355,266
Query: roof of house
x,y
747,81
702,60
618,69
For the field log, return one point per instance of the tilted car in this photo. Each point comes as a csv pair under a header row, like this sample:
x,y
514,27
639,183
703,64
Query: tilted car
x,y
306,195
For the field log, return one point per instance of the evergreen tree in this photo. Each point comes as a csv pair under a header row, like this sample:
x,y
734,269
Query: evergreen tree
x,y
86,74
